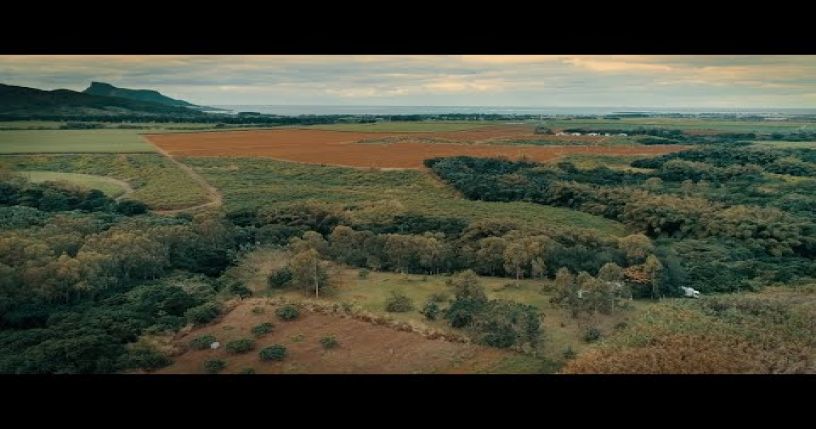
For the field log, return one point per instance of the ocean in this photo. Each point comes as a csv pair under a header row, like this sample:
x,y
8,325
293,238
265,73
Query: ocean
x,y
298,110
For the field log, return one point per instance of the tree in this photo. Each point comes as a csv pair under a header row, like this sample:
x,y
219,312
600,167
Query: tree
x,y
566,291
490,255
654,270
466,284
653,184
308,271
636,247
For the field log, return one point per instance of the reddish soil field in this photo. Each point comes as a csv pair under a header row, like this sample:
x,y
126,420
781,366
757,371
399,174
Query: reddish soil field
x,y
364,348
339,148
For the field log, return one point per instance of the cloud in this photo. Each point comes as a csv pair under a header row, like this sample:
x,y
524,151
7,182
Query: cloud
x,y
509,80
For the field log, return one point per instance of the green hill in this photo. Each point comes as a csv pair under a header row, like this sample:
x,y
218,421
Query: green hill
x,y
30,103
147,95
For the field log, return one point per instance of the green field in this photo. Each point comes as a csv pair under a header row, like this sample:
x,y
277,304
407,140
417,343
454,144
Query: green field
x,y
407,127
252,183
111,187
73,141
742,126
156,180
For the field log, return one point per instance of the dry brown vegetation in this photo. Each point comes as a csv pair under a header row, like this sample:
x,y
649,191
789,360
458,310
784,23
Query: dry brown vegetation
x,y
407,150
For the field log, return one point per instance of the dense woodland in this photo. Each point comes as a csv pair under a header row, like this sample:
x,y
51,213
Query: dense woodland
x,y
720,213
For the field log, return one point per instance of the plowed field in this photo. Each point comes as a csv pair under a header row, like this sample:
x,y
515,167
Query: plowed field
x,y
341,148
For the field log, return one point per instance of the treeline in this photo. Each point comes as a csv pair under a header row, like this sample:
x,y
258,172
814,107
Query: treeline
x,y
258,119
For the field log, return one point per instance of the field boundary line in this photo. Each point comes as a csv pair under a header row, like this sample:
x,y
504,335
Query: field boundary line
x,y
216,199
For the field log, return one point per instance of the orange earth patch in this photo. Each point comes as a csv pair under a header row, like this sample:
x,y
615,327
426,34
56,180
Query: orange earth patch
x,y
364,348
340,148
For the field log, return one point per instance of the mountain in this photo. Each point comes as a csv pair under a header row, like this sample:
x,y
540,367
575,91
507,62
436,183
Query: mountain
x,y
147,95
22,102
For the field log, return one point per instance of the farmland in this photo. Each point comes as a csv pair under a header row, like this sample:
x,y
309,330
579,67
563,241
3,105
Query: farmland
x,y
535,217
155,180
73,141
256,183
339,148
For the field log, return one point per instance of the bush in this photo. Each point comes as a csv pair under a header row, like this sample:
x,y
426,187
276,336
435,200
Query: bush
x,y
287,312
146,358
439,297
240,346
240,290
280,278
431,310
329,342
130,207
363,273
592,334
214,366
202,342
276,352
398,302
462,312
262,329
203,313
248,371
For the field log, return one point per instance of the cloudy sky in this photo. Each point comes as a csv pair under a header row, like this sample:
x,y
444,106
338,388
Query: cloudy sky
x,y
635,81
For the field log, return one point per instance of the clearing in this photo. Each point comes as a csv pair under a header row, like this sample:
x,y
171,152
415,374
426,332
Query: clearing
x,y
364,348
110,186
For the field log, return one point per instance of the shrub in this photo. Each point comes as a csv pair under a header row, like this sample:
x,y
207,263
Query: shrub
x,y
280,278
248,371
329,342
461,313
240,346
203,313
276,352
214,366
431,310
202,342
240,290
130,207
398,302
287,312
146,358
262,329
363,273
439,297
592,334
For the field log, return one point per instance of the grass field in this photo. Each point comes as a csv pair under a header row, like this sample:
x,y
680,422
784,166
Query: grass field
x,y
684,124
407,127
111,187
73,141
257,182
157,182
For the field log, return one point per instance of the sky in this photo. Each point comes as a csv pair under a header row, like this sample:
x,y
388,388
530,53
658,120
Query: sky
x,y
438,80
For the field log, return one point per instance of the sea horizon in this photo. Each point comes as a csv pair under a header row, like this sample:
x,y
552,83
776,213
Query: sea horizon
x,y
318,109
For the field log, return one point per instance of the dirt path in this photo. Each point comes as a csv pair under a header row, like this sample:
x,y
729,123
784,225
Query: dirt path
x,y
216,200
